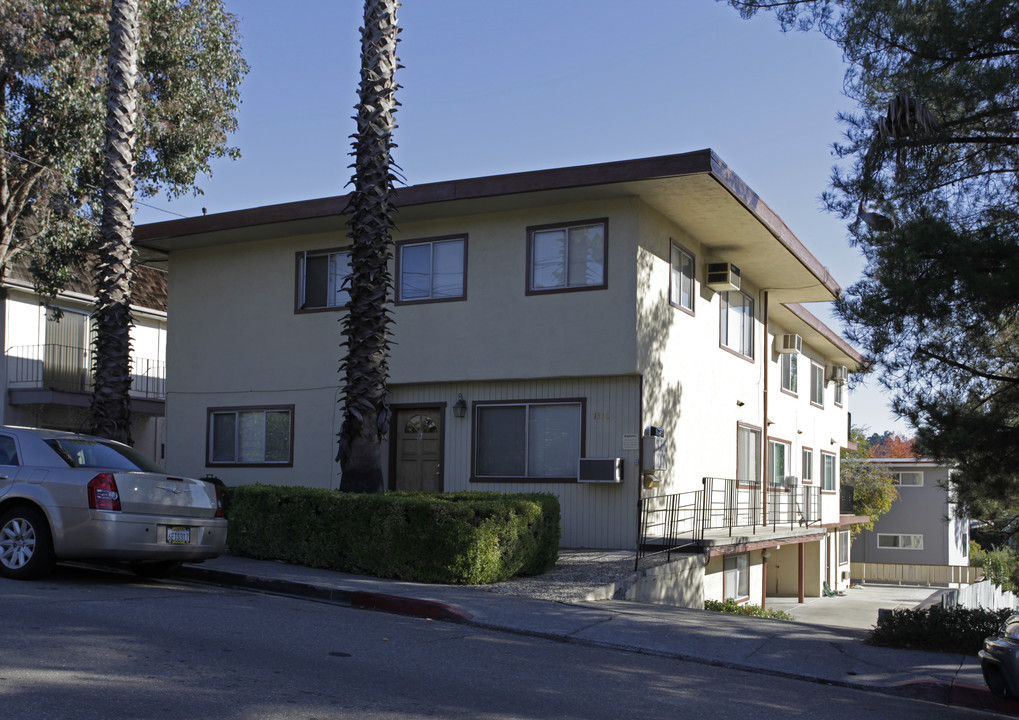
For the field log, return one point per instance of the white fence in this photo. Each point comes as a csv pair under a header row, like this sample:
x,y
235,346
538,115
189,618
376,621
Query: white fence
x,y
915,574
980,595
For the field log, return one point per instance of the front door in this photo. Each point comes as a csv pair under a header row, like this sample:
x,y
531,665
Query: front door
x,y
418,462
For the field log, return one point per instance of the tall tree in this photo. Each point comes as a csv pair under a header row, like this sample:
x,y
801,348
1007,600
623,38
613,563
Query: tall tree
x,y
53,57
928,186
873,488
111,350
366,324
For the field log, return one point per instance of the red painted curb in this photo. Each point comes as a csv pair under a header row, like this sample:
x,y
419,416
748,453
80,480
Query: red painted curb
x,y
408,606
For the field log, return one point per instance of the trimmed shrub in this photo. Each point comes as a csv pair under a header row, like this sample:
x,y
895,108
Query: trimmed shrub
x,y
936,628
736,608
451,538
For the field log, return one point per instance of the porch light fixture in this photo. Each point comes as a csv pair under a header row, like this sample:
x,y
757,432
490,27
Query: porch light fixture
x,y
460,406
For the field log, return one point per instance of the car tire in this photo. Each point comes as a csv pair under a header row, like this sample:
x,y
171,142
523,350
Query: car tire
x,y
26,545
154,570
995,680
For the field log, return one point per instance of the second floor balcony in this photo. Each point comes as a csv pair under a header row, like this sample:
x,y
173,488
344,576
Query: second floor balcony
x,y
63,369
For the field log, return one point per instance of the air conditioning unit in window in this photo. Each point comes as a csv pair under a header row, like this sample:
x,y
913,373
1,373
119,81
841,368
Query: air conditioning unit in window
x,y
600,470
789,344
838,373
723,276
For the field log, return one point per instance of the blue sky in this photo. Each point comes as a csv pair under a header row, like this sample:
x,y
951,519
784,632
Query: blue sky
x,y
492,87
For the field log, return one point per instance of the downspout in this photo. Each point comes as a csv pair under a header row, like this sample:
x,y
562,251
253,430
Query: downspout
x,y
765,471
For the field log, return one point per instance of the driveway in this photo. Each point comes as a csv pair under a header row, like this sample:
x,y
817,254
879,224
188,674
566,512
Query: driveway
x,y
858,607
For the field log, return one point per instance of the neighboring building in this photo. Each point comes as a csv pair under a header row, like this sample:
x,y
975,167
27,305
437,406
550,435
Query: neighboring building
x,y
544,323
922,527
47,373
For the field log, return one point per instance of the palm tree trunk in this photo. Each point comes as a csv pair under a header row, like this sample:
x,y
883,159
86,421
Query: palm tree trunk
x,y
366,325
111,348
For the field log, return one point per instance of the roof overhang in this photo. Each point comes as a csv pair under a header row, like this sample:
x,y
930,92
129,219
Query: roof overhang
x,y
797,319
695,190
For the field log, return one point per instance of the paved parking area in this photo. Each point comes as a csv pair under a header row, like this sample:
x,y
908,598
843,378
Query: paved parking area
x,y
858,607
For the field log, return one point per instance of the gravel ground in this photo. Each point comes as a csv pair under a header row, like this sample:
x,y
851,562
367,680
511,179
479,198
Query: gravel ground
x,y
576,574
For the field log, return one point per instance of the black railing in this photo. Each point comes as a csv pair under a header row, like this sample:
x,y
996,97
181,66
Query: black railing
x,y
64,367
677,522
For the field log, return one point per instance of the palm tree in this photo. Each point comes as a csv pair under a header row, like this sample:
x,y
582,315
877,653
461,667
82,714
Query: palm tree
x,y
111,347
366,325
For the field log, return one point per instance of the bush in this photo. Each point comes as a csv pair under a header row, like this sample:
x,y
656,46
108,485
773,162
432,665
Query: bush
x,y
452,538
936,628
731,606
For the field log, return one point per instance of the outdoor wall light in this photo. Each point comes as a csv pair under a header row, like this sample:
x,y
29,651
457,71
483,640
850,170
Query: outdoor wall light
x,y
460,406
834,441
740,403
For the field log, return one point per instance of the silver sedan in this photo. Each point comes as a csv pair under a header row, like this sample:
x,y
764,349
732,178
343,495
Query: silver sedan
x,y
65,496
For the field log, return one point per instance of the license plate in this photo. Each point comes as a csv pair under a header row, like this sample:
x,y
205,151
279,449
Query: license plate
x,y
178,535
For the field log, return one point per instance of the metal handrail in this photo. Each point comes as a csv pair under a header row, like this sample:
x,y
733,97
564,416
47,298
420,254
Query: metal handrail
x,y
65,367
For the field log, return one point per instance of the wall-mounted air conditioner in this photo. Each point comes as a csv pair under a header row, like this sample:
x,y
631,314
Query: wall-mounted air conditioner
x,y
838,373
723,276
600,470
788,344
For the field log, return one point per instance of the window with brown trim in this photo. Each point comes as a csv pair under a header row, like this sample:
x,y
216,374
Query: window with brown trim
x,y
431,270
322,279
569,256
828,470
817,384
736,576
736,323
788,363
807,466
251,436
534,440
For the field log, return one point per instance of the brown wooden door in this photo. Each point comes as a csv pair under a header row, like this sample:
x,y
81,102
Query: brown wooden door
x,y
418,435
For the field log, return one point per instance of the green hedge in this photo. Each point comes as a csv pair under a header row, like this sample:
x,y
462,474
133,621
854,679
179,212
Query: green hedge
x,y
936,628
452,538
737,608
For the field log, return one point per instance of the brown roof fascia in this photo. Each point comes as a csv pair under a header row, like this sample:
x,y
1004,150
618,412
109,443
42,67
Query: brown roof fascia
x,y
830,335
690,163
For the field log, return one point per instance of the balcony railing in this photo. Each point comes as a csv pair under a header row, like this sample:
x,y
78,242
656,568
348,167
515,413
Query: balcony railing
x,y
63,367
673,522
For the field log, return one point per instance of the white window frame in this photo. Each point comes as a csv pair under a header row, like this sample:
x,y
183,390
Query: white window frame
x,y
788,363
840,393
736,576
900,541
807,465
829,472
736,326
534,235
897,478
528,474
780,459
816,384
434,293
843,541
337,282
682,278
748,454
258,440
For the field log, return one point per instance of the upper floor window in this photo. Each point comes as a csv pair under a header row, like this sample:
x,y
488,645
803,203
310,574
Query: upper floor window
x,y
431,270
681,278
817,384
827,471
788,362
251,436
567,257
737,322
748,454
840,393
912,478
322,279
901,542
781,463
807,470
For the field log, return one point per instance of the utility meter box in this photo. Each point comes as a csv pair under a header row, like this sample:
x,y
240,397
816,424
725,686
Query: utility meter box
x,y
654,453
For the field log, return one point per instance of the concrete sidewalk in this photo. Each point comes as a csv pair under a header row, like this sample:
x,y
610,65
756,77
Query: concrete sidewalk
x,y
812,651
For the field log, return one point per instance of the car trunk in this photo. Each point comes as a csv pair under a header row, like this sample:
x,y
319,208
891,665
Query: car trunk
x,y
155,494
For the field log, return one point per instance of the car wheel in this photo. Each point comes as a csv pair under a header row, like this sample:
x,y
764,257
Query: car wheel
x,y
995,680
158,569
26,546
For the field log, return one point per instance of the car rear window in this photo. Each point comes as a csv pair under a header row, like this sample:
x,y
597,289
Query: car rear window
x,y
89,453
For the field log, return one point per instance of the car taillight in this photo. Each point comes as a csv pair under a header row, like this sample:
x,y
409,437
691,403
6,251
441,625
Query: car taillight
x,y
219,503
102,493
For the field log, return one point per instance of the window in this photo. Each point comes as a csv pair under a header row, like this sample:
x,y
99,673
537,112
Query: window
x,y
788,362
567,257
322,278
827,471
737,323
807,471
748,454
528,440
778,453
900,542
840,393
736,576
681,279
843,547
431,269
251,436
817,384
908,479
